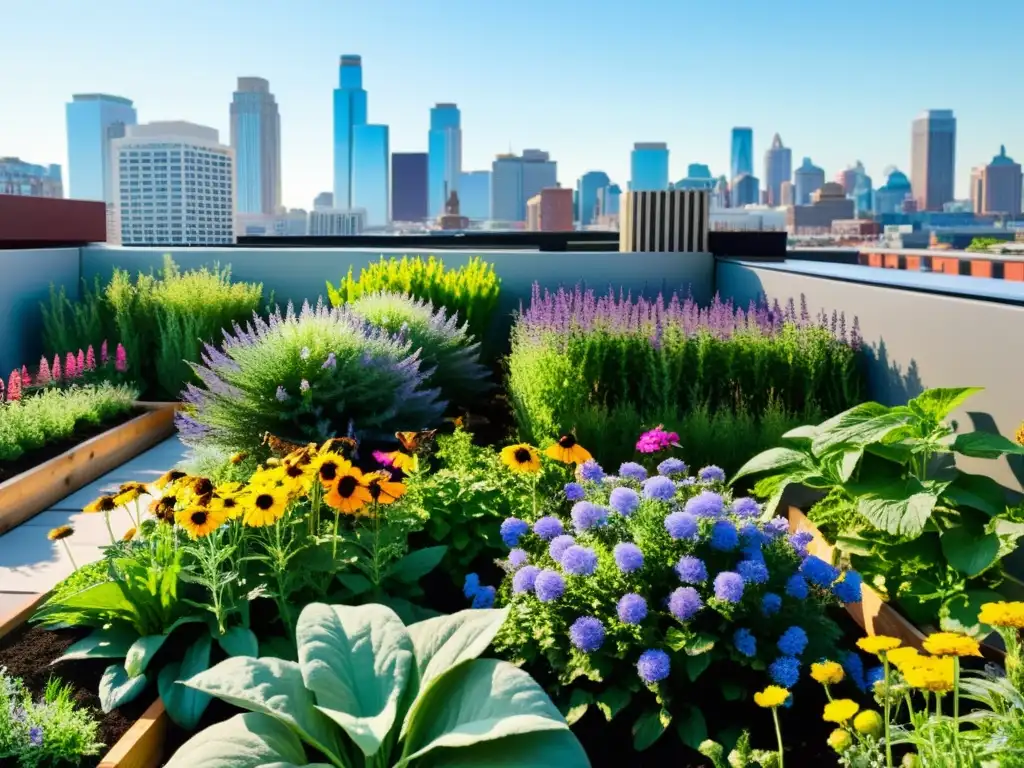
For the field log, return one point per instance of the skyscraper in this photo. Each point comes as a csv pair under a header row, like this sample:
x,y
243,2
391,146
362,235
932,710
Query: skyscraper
x,y
28,180
890,196
323,200
648,167
586,193
371,174
778,167
807,179
933,158
517,178
444,146
744,191
349,111
1001,186
408,186
256,139
93,120
475,195
742,157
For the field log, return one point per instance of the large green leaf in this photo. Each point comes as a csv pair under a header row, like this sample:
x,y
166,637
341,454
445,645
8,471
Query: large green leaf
x,y
357,660
773,460
801,434
118,688
185,705
863,424
938,403
252,740
900,507
691,726
579,702
541,749
145,648
649,727
273,687
444,642
478,701
979,492
970,551
239,641
417,564
105,599
106,643
985,445
960,612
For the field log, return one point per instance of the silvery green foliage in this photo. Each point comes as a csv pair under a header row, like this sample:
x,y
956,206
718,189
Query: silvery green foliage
x,y
369,691
307,376
445,345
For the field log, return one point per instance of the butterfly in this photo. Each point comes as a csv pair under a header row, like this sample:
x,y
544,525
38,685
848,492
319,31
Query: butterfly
x,y
346,446
278,446
468,421
414,441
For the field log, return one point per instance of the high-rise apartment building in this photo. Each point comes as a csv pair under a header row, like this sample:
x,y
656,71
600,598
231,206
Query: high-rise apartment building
x,y
371,173
745,190
93,121
648,167
1000,186
475,195
349,111
778,167
175,185
550,210
807,179
28,180
256,140
586,196
517,178
933,159
742,152
444,147
409,186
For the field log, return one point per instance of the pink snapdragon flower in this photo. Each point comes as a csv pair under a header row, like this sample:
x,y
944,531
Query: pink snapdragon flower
x,y
90,359
120,359
43,377
657,439
14,386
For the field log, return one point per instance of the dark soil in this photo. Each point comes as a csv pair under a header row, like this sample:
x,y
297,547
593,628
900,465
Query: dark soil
x,y
28,651
30,459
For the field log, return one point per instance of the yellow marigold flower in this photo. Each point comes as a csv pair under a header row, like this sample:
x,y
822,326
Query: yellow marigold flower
x,y
129,534
264,505
951,644
522,458
129,492
827,672
869,723
568,451
102,504
771,697
199,522
878,644
931,674
840,711
1003,614
901,657
60,532
840,740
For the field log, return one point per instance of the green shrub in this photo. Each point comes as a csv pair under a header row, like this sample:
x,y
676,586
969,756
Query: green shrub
x,y
470,291
69,325
52,415
445,348
309,376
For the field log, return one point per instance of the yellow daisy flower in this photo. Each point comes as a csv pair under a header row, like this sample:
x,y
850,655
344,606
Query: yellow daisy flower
x,y
129,492
296,478
522,458
1003,614
403,461
771,697
102,504
840,711
827,672
840,740
869,723
264,505
878,644
931,674
568,451
163,508
951,644
903,656
199,522
60,532
169,477
1020,434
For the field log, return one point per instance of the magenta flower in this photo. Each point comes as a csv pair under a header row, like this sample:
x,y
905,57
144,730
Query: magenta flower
x,y
14,386
656,439
120,359
26,380
56,372
80,363
70,366
43,378
104,357
90,359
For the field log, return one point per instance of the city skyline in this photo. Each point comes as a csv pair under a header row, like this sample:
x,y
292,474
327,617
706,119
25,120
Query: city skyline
x,y
298,54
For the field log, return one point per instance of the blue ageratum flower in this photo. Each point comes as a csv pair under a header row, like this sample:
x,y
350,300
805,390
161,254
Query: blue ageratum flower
x,y
712,474
799,542
524,579
558,546
633,471
848,588
724,537
753,571
517,558
691,570
35,736
706,504
470,585
872,676
484,597
587,633
854,669
653,666
751,534
771,603
591,471
746,507
632,608
776,527
729,587
579,561
659,488
628,557
549,585
684,603
681,525
818,572
586,515
671,467
793,641
796,586
574,492
624,501
745,642
548,527
512,529
785,671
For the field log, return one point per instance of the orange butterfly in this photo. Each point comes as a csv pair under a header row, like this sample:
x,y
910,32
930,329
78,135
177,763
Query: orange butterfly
x,y
414,441
278,446
468,421
346,446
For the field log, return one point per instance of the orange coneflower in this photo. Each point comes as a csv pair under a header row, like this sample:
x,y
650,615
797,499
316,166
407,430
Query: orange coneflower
x,y
349,493
383,489
568,451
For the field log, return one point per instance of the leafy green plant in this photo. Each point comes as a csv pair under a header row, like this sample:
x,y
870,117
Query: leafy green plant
x,y
922,531
447,352
70,325
52,731
470,292
369,691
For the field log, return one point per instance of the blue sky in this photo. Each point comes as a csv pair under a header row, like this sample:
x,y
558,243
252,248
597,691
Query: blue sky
x,y
582,79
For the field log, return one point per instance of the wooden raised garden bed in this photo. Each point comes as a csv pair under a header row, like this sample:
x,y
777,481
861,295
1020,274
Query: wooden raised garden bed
x,y
35,490
141,746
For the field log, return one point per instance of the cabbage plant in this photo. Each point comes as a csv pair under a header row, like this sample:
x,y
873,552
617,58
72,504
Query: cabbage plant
x,y
369,691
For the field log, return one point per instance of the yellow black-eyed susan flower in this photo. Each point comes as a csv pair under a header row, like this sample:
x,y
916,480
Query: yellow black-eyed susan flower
x,y
229,505
296,478
383,489
521,457
199,521
329,467
349,493
104,503
60,532
568,451
264,505
200,486
168,477
129,492
162,508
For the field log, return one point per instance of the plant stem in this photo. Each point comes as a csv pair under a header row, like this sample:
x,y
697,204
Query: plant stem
x,y
334,539
535,480
778,734
956,704
110,531
888,742
70,556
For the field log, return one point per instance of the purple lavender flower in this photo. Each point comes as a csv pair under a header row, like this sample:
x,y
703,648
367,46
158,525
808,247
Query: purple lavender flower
x,y
729,587
745,642
659,488
548,585
785,671
653,666
848,588
579,561
671,467
793,641
796,587
558,546
591,470
745,507
512,529
724,537
574,492
770,604
548,527
711,474
586,515
631,608
281,394
799,542
633,471
524,579
517,558
681,525
753,571
331,362
628,557
818,572
484,597
624,501
587,633
706,504
691,570
684,603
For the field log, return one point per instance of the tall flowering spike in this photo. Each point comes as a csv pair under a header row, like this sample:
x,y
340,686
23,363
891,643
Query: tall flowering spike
x,y
1,390
70,366
104,357
56,371
856,340
43,378
26,380
14,386
120,359
90,359
80,363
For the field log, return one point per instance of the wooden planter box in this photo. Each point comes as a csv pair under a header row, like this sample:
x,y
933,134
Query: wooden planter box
x,y
39,488
141,746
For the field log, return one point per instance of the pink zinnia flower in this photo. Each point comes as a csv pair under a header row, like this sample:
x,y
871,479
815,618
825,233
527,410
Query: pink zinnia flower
x,y
90,359
26,380
103,353
656,440
70,366
80,363
120,359
14,386
56,372
43,378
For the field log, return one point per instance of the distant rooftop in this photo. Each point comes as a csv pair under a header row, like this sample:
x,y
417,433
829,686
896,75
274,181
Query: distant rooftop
x,y
101,97
172,129
253,85
1001,158
351,59
650,145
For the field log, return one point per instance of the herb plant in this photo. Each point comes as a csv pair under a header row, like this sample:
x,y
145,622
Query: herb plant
x,y
370,691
